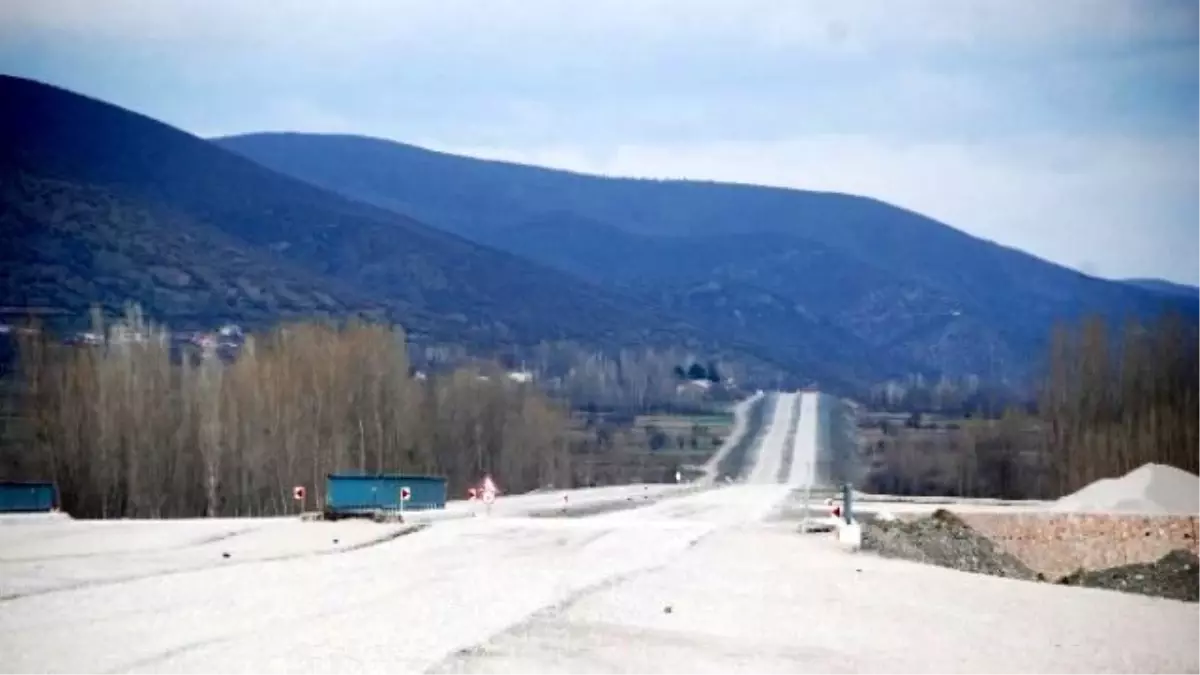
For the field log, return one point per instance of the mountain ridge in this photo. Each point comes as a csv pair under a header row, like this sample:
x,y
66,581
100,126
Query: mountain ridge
x,y
106,205
1164,286
971,305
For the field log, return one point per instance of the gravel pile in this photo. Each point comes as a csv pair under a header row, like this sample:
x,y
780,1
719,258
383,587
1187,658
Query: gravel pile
x,y
1151,489
1176,575
942,539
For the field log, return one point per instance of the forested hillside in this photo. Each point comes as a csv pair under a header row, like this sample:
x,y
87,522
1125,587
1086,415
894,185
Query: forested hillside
x,y
102,205
843,276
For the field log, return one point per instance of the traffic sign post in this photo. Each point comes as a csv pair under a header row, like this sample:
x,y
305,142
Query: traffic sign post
x,y
299,494
489,497
405,495
489,492
846,497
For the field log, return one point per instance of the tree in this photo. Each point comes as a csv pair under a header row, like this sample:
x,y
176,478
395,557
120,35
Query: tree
x,y
135,428
714,375
1108,411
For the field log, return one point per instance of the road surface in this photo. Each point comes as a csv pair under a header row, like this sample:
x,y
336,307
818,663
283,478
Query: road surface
x,y
769,455
742,432
804,444
702,582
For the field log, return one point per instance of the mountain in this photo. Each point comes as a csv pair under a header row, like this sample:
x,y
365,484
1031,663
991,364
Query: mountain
x,y
1165,287
100,204
801,270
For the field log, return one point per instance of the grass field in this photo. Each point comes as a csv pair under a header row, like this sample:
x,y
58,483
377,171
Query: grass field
x,y
613,449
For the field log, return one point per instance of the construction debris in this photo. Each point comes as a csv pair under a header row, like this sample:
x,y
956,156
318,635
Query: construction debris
x,y
941,539
1176,575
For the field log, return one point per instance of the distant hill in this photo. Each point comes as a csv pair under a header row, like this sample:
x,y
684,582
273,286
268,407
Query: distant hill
x,y
99,204
836,275
1165,287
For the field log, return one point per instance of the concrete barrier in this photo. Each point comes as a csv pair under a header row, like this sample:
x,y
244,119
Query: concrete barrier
x,y
850,536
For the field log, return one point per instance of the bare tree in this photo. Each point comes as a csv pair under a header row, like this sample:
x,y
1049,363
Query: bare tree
x,y
131,427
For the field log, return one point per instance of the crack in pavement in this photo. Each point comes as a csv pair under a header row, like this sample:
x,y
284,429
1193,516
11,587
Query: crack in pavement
x,y
115,581
446,663
167,654
211,539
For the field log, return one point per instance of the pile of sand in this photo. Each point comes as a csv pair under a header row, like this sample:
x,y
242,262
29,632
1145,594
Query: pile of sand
x,y
1151,489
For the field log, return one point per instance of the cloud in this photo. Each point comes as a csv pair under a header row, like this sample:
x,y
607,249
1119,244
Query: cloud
x,y
511,24
1066,128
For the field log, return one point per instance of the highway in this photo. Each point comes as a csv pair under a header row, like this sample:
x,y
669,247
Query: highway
x,y
700,579
769,455
804,445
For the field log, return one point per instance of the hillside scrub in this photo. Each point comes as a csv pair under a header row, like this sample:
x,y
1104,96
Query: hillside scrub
x,y
136,427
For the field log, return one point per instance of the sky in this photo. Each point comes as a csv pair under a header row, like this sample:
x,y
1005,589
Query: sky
x,y
1067,129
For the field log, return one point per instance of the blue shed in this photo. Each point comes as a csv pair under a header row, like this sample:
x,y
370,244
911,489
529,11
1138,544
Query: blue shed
x,y
27,497
349,494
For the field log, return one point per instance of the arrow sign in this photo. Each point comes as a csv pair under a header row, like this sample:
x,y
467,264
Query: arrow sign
x,y
405,494
298,493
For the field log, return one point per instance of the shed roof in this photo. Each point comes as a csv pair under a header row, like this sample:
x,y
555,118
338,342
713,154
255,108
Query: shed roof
x,y
384,476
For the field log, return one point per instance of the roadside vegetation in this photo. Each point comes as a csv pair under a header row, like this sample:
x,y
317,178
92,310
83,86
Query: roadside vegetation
x,y
609,448
138,427
139,423
1108,404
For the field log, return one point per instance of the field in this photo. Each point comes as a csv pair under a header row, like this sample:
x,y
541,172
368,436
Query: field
x,y
953,457
615,448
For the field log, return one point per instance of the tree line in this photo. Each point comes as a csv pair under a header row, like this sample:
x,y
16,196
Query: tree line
x,y
137,426
965,396
627,381
1109,401
1113,401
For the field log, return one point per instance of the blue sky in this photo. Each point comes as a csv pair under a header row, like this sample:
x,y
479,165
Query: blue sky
x,y
1065,128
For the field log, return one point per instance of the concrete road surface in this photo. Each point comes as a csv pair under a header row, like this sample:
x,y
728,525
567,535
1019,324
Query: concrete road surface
x,y
766,600
804,444
697,583
770,452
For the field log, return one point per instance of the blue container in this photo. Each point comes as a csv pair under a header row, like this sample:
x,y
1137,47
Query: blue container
x,y
352,494
27,497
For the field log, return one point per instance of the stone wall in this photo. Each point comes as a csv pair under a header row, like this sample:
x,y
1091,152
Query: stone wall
x,y
1057,544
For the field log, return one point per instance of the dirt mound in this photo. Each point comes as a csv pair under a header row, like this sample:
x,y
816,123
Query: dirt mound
x,y
942,539
1176,575
1150,489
